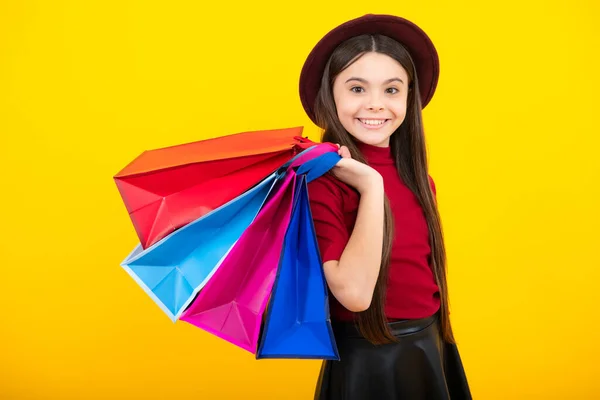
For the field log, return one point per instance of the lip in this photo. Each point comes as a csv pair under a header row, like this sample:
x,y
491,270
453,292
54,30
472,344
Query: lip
x,y
373,127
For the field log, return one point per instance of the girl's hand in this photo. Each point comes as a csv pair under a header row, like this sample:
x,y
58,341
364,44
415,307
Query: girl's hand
x,y
356,174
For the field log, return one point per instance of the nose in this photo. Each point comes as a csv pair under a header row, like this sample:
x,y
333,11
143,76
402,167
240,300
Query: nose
x,y
375,108
374,104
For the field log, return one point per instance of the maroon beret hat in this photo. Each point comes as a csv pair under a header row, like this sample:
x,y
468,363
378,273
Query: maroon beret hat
x,y
412,37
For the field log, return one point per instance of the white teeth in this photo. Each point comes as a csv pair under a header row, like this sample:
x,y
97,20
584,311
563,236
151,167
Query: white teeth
x,y
373,121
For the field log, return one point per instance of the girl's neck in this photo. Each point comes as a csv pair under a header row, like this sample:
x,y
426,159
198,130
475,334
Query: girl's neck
x,y
376,154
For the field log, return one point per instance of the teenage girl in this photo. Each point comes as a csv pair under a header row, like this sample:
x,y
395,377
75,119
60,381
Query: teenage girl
x,y
379,232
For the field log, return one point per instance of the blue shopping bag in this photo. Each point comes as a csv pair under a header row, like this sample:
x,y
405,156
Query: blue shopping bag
x,y
298,323
175,269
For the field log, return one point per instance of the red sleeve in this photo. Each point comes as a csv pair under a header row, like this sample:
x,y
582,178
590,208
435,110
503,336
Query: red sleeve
x,y
326,204
432,185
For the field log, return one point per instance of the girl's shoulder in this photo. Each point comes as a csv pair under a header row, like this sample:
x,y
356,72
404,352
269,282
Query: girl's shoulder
x,y
329,190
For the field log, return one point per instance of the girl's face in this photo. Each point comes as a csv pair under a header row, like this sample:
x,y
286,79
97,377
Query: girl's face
x,y
370,96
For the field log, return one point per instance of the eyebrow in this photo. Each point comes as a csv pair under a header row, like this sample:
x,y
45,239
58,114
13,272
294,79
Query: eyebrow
x,y
365,81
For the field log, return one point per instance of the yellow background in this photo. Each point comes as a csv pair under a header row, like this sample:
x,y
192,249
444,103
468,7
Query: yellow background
x,y
85,86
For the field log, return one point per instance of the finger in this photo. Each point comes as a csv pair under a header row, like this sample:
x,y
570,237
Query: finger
x,y
344,152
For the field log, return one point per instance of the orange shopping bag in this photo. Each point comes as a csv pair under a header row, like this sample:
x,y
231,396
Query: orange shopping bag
x,y
167,188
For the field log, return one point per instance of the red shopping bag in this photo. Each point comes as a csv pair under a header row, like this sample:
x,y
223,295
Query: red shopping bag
x,y
165,189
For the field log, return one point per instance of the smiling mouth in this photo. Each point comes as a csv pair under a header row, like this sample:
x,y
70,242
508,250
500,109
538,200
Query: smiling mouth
x,y
372,123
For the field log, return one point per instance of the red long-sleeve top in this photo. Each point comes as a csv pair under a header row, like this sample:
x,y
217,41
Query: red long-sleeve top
x,y
411,292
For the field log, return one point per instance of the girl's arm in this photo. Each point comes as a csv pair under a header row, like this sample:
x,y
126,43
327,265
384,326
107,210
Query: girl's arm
x,y
352,279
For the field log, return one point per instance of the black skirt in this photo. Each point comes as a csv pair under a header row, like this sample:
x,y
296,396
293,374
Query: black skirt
x,y
420,366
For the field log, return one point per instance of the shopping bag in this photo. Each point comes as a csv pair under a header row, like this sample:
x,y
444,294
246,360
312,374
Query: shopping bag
x,y
298,323
174,270
232,303
167,188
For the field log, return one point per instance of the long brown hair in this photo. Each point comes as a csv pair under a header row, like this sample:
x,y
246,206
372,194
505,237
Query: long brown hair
x,y
409,151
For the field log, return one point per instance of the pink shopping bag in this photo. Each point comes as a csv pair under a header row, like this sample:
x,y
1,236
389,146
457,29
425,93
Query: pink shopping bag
x,y
232,303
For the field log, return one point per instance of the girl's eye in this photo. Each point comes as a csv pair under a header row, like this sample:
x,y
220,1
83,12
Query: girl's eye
x,y
356,89
392,90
